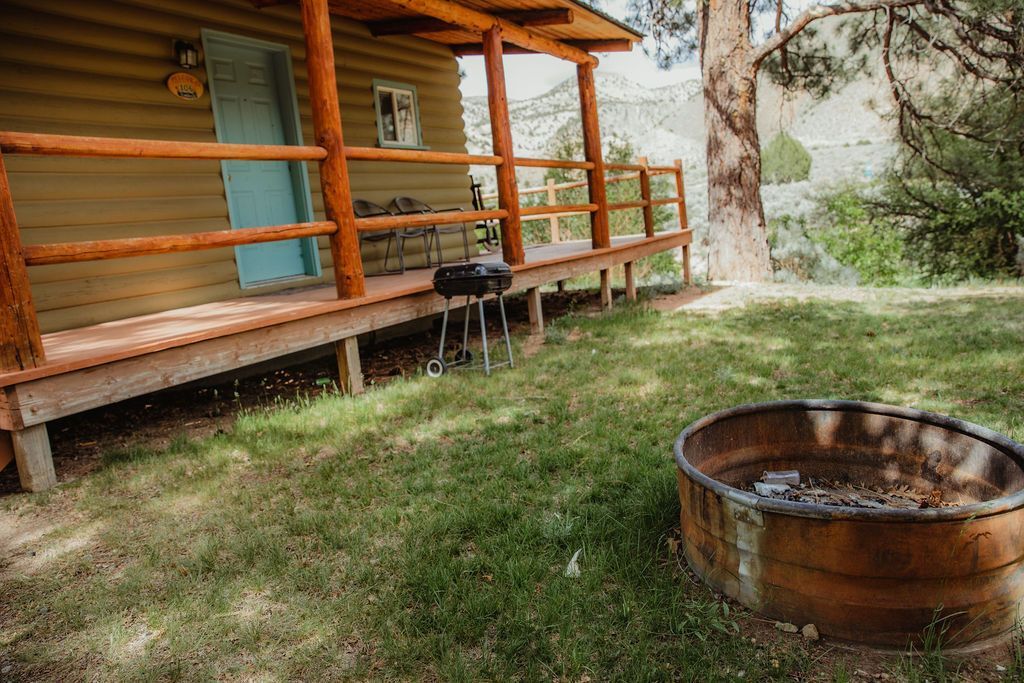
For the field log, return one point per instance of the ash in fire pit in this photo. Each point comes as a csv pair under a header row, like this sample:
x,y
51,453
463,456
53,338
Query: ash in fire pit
x,y
819,491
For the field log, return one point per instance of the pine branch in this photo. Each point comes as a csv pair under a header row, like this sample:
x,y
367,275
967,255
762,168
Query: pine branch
x,y
781,38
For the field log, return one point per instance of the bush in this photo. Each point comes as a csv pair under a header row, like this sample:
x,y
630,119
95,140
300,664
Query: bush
x,y
845,226
785,160
955,235
796,257
841,241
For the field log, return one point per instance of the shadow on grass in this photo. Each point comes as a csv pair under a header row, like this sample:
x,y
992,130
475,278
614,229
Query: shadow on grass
x,y
424,530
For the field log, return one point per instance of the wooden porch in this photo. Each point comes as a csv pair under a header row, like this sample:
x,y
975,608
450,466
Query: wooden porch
x,y
43,377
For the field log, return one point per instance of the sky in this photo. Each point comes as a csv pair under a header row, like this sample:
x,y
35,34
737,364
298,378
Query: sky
x,y
527,76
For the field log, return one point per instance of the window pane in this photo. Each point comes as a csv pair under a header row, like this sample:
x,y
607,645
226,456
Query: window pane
x,y
387,116
406,125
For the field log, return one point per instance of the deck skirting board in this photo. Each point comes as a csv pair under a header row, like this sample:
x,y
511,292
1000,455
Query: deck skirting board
x,y
37,401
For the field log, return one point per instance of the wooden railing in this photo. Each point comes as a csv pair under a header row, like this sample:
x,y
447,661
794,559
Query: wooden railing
x,y
82,146
101,250
97,250
552,211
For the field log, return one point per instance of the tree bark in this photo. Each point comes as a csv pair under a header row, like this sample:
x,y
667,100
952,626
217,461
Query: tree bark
x,y
738,238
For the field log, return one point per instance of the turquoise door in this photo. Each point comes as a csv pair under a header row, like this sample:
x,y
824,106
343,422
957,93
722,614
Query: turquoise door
x,y
254,102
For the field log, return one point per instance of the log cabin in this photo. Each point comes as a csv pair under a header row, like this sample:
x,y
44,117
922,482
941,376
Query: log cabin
x,y
177,181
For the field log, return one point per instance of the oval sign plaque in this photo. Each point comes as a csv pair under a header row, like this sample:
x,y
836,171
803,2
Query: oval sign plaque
x,y
185,86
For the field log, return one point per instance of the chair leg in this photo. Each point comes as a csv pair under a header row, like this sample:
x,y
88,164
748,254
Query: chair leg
x,y
387,253
426,248
400,242
396,237
465,242
437,243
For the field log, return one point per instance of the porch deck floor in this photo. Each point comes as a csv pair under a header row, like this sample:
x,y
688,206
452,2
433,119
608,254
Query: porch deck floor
x,y
74,349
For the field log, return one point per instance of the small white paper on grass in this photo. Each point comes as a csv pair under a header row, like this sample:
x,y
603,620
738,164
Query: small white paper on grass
x,y
572,570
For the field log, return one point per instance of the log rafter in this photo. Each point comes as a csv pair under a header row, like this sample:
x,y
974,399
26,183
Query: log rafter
x,y
428,24
606,45
482,22
463,17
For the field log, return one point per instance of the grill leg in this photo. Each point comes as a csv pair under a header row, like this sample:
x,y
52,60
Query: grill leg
x,y
465,326
504,328
444,327
483,335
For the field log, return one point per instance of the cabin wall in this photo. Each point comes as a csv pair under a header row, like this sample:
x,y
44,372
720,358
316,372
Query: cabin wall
x,y
98,67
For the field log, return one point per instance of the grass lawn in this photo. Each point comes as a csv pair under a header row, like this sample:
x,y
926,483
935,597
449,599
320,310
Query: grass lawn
x,y
422,531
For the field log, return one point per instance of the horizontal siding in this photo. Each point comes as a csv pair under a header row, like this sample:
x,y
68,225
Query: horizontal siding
x,y
97,67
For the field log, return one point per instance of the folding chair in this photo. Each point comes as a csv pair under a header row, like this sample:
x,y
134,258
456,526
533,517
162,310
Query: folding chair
x,y
365,209
411,205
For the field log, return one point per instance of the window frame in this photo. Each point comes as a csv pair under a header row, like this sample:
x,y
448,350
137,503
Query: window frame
x,y
392,87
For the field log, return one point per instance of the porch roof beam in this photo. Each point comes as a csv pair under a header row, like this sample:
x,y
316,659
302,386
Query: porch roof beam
x,y
427,24
481,22
622,45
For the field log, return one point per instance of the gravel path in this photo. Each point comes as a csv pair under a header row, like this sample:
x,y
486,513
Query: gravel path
x,y
736,295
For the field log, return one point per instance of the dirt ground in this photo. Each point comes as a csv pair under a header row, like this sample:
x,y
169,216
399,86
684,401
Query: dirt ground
x,y
202,408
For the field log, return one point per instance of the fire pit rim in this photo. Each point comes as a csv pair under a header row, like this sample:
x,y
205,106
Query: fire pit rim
x,y
833,512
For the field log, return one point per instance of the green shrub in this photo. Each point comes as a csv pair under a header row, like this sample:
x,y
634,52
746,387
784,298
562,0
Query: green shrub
x,y
845,225
955,235
785,160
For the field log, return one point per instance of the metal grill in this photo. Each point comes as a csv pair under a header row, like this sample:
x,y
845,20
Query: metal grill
x,y
471,280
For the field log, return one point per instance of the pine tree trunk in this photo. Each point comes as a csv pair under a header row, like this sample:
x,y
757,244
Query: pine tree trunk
x,y
737,234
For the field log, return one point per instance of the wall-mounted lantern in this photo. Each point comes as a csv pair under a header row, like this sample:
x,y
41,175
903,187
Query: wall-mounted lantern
x,y
187,54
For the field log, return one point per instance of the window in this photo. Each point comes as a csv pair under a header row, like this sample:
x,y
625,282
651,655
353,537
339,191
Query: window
x,y
398,115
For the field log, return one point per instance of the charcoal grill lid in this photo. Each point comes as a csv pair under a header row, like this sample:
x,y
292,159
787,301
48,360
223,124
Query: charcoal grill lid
x,y
472,271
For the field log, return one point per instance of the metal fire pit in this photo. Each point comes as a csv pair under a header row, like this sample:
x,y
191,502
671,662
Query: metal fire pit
x,y
875,576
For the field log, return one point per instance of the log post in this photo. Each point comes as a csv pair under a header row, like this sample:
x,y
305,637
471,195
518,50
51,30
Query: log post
x,y
684,222
536,312
606,289
501,134
645,194
34,458
334,180
600,232
350,370
599,226
22,345
630,281
556,234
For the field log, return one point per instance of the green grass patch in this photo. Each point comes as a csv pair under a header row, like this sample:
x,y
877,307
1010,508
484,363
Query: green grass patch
x,y
423,530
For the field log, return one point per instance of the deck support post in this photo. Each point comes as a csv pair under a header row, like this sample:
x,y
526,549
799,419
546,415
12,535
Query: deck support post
x,y
684,222
34,457
533,303
645,194
599,226
630,281
350,370
334,179
606,289
21,346
501,135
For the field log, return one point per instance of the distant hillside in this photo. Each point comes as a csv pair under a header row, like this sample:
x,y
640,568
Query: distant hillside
x,y
669,121
847,134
